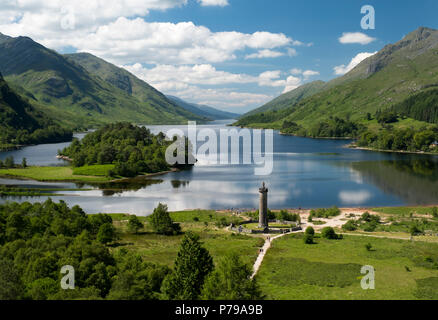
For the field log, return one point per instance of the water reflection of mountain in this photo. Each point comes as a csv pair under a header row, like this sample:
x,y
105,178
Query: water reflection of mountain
x,y
415,181
112,188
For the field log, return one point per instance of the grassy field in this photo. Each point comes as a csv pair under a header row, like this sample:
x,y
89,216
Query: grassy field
x,y
187,216
331,269
50,174
404,211
164,249
95,170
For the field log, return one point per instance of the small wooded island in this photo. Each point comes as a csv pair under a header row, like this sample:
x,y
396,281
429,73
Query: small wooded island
x,y
128,150
115,151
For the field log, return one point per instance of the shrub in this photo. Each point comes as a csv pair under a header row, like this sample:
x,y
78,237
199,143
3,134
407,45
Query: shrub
x,y
222,223
329,233
435,212
283,215
350,226
325,213
368,246
369,227
414,230
308,238
310,231
134,224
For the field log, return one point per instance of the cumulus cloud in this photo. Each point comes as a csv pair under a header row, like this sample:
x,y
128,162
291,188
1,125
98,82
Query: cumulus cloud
x,y
291,52
188,82
135,40
343,69
296,71
204,74
292,83
220,3
113,30
271,79
264,54
355,37
306,73
223,97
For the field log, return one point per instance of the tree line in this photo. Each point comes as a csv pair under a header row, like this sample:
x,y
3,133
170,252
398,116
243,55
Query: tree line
x,y
37,240
407,139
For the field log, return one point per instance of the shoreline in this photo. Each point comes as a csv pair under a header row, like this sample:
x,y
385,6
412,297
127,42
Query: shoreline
x,y
82,179
349,146
354,146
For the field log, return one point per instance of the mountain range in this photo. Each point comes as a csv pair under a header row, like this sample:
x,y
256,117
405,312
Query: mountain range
x,y
81,90
402,77
206,111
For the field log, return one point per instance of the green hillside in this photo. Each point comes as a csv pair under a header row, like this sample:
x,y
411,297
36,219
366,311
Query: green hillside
x,y
131,85
21,124
66,89
288,99
385,81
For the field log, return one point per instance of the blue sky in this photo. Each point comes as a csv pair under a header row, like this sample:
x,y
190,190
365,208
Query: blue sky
x,y
231,54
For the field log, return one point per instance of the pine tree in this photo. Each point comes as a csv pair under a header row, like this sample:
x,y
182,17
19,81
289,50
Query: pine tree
x,y
192,266
231,281
162,223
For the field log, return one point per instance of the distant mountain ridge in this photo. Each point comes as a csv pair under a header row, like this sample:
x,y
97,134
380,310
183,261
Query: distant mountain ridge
x,y
381,82
204,111
71,89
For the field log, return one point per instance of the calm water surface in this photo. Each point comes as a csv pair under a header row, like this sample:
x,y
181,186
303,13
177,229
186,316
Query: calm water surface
x,y
307,173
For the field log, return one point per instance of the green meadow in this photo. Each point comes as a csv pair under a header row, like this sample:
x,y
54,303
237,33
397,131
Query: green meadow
x,y
164,249
86,174
330,269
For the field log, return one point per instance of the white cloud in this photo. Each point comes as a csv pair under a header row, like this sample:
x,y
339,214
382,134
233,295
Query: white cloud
x,y
113,30
204,74
296,71
270,79
343,69
306,73
127,41
310,73
225,98
220,3
264,54
355,37
292,83
188,82
291,52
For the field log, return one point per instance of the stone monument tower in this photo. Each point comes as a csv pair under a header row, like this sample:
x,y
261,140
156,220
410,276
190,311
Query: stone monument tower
x,y
263,210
